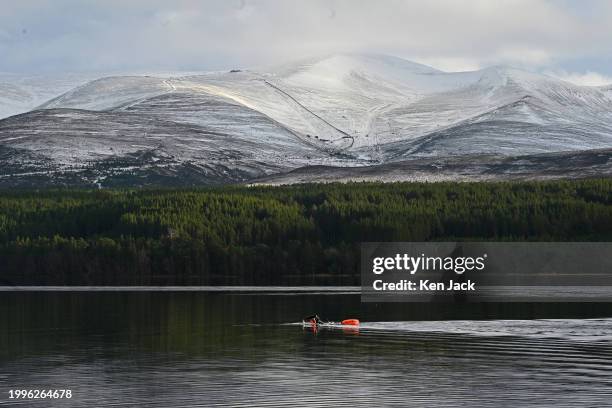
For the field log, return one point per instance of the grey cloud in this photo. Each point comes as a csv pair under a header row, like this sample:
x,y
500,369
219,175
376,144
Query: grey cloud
x,y
190,34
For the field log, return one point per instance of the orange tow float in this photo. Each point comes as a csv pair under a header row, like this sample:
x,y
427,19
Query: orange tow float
x,y
350,322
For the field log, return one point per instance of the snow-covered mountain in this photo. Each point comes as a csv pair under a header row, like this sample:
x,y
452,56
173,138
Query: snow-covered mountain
x,y
22,93
342,110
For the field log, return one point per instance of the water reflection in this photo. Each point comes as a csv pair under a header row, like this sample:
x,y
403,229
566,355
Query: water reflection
x,y
198,349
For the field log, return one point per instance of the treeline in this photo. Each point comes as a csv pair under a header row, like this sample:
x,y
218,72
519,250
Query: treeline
x,y
303,234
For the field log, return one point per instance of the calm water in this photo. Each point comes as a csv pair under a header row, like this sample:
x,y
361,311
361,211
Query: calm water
x,y
244,349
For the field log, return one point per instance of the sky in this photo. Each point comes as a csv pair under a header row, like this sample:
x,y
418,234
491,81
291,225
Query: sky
x,y
570,39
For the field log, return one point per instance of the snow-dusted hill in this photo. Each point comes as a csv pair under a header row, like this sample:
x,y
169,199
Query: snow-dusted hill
x,y
342,110
546,166
22,93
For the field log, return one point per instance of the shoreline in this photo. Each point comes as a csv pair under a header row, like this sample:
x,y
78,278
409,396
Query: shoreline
x,y
248,289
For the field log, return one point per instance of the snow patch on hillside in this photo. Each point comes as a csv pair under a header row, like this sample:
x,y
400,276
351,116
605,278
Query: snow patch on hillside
x,y
340,110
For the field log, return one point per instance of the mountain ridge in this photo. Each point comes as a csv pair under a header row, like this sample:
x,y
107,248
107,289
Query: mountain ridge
x,y
343,110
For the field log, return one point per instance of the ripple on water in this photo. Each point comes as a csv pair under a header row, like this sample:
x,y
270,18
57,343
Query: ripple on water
x,y
513,363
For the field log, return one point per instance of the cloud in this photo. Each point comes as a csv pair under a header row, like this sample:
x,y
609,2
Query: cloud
x,y
207,34
588,78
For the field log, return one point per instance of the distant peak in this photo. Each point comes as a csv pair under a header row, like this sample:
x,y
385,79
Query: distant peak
x,y
343,62
502,74
393,61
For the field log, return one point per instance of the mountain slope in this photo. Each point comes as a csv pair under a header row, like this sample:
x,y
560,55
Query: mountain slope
x,y
558,165
21,93
342,110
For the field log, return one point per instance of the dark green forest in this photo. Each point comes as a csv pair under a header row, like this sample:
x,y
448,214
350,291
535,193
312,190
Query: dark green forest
x,y
291,235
